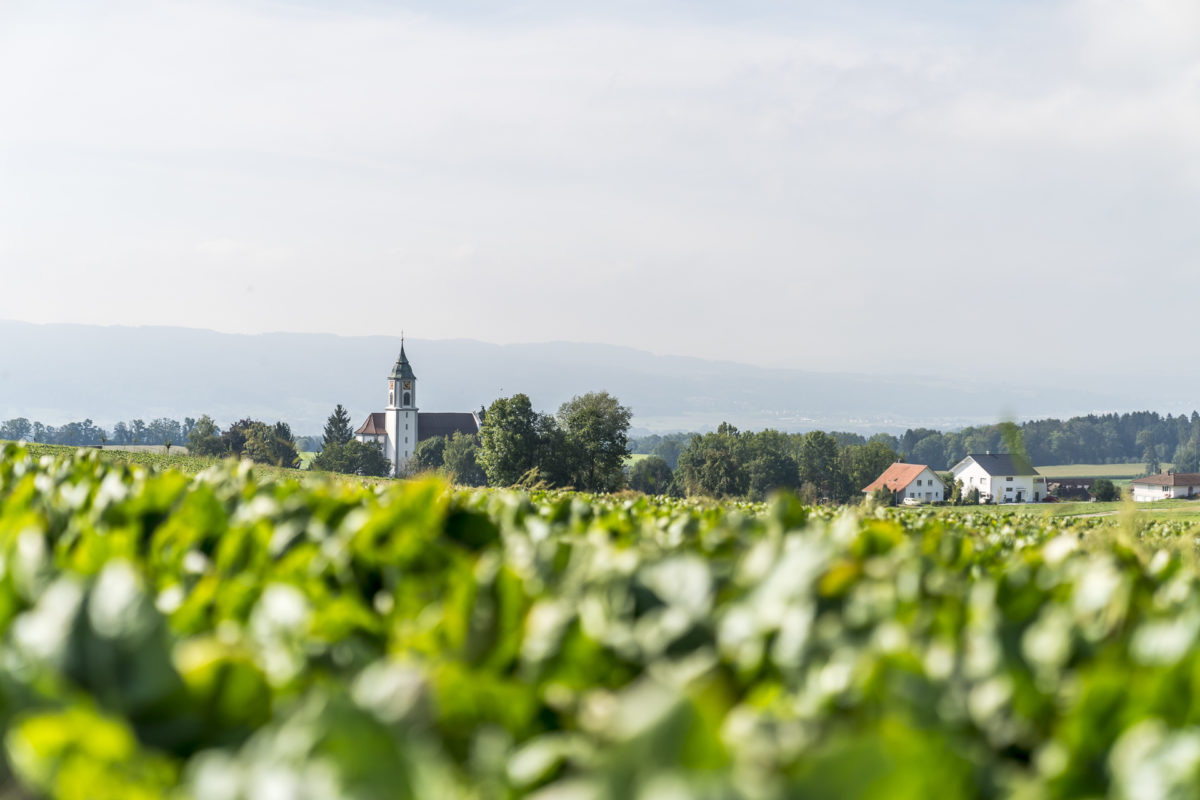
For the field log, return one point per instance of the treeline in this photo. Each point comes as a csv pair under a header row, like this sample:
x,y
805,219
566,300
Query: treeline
x,y
583,446
247,438
732,463
160,431
1092,439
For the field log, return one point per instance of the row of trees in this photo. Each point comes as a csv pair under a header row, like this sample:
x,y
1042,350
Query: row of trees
x,y
584,445
246,438
733,463
136,431
1092,439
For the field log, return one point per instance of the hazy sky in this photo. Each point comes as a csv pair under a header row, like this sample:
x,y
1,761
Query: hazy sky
x,y
833,185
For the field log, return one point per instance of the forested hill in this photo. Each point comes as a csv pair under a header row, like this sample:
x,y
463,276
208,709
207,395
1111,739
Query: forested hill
x,y
1092,439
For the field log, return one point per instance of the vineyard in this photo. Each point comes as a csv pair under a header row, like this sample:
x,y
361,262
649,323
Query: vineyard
x,y
226,637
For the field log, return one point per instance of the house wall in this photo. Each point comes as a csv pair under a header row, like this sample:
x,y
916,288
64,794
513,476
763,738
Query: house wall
x,y
974,476
1001,488
926,487
1144,493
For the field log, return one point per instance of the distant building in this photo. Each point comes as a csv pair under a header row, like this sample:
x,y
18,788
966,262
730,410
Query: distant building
x,y
1071,488
1166,486
400,427
1000,478
915,481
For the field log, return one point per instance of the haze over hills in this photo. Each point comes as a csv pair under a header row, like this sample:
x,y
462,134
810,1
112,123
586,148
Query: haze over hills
x,y
58,373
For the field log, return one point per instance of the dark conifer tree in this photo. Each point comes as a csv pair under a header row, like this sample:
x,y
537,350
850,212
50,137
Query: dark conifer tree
x,y
337,428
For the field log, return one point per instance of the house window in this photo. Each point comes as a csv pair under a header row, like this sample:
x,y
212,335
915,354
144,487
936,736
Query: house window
x,y
1009,479
918,483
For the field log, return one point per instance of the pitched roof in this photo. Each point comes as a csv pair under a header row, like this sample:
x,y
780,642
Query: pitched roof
x,y
445,423
898,476
374,426
1170,479
1003,464
402,369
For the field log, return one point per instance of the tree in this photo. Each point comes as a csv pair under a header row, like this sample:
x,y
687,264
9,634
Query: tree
x,y
818,465
771,470
508,440
121,434
460,460
596,432
353,458
669,447
205,438
1187,457
1104,490
650,475
337,427
862,464
16,429
711,465
234,437
1145,440
429,454
265,444
366,458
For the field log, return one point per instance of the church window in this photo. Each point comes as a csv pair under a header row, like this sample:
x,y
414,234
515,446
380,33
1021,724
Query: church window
x,y
407,401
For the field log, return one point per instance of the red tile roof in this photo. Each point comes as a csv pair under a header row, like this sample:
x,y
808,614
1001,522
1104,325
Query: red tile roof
x,y
374,426
897,476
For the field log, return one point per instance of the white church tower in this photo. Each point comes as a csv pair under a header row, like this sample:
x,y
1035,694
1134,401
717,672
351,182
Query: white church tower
x,y
401,413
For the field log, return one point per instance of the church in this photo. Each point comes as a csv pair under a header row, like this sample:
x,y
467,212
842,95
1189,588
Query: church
x,y
400,427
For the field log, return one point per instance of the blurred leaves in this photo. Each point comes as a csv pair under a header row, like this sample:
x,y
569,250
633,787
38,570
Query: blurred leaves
x,y
220,637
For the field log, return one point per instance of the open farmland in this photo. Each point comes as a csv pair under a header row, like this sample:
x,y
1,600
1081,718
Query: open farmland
x,y
1126,471
221,636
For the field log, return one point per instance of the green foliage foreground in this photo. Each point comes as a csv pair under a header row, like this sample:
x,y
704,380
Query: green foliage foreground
x,y
216,637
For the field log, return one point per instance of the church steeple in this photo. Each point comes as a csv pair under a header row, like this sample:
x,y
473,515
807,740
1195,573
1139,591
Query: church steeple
x,y
402,370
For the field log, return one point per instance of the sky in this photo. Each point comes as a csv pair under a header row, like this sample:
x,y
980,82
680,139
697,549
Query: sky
x,y
1001,187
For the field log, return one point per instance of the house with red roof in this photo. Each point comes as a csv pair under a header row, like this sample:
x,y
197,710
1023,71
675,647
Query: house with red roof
x,y
915,481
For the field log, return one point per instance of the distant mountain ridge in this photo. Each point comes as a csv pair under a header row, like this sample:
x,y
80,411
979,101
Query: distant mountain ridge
x,y
57,373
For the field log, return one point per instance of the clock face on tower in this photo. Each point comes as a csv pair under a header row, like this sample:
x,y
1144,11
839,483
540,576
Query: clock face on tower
x,y
408,384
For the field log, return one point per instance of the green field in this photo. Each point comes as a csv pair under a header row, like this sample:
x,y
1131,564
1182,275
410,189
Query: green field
x,y
223,634
1133,470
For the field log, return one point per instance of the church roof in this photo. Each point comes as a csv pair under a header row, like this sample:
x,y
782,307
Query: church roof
x,y
445,423
374,426
402,369
429,424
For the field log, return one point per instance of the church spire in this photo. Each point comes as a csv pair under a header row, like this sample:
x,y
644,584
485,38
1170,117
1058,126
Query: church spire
x,y
402,369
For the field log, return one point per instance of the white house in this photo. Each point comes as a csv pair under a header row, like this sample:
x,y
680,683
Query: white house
x,y
1000,478
400,427
1165,486
910,480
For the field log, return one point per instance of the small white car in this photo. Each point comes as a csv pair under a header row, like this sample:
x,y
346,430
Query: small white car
x,y
912,501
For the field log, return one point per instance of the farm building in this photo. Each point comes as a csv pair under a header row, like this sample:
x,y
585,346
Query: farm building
x,y
1072,488
1166,486
915,481
400,427
1000,478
